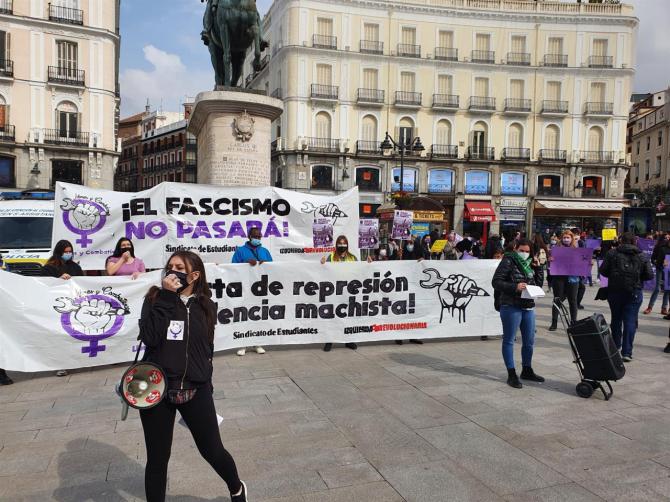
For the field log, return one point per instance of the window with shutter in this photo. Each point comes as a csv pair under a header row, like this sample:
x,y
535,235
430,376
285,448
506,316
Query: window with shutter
x,y
444,84
482,87
483,42
445,39
595,139
600,47
518,44
409,36
515,136
370,78
324,27
554,91
598,92
323,125
406,130
324,74
555,45
369,129
443,133
407,81
517,89
67,58
371,32
551,138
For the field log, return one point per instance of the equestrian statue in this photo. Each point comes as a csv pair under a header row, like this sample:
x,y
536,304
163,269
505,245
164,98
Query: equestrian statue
x,y
230,27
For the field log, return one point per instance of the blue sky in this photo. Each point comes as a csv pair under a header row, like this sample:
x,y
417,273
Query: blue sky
x,y
163,59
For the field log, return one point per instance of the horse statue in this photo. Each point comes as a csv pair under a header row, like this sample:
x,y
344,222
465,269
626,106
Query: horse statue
x,y
230,28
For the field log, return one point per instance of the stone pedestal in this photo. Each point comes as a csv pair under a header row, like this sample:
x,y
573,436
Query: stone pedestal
x,y
233,131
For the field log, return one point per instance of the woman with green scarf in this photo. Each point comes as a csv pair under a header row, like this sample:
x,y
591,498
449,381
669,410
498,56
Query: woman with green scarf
x,y
516,271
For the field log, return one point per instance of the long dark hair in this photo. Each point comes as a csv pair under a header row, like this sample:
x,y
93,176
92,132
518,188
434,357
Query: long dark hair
x,y
201,289
335,255
117,249
56,259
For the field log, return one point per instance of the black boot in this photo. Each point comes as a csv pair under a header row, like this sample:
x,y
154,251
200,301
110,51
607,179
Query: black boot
x,y
667,349
527,373
351,346
512,379
553,326
327,347
4,378
398,342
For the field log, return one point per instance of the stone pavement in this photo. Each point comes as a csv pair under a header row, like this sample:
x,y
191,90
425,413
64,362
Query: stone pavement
x,y
387,423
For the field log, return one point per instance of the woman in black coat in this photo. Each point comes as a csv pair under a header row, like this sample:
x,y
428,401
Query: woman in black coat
x,y
61,264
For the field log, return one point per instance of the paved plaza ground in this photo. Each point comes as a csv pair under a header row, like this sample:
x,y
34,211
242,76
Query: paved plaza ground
x,y
387,423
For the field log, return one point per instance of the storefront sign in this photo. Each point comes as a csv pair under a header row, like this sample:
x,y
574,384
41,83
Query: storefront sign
x,y
513,183
420,229
440,181
512,214
428,215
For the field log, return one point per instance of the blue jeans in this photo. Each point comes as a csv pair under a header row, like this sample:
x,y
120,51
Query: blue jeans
x,y
660,284
624,308
512,319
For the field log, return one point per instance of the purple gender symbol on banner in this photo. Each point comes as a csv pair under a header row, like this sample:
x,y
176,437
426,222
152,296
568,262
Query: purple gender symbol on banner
x,y
84,241
93,340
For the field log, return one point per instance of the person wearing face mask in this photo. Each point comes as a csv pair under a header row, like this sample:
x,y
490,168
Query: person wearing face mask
x,y
565,286
449,252
515,272
658,255
254,254
424,248
409,250
177,327
123,261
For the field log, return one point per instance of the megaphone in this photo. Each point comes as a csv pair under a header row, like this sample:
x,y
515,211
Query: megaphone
x,y
142,387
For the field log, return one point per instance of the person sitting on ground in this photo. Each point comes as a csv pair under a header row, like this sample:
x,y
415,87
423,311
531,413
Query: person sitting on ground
x,y
124,261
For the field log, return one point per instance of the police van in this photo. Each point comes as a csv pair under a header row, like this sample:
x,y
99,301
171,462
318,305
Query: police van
x,y
26,222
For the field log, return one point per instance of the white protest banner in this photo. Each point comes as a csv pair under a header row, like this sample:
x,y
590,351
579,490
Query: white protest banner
x,y
211,220
89,321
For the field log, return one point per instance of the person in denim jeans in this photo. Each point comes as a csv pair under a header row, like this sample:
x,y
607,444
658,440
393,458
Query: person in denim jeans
x,y
661,250
627,268
517,269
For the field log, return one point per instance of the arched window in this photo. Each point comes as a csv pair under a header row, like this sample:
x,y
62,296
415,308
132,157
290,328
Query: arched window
x,y
477,182
478,140
595,141
515,136
443,133
369,129
593,186
549,184
409,181
552,138
512,183
367,178
67,120
322,177
406,130
441,181
323,125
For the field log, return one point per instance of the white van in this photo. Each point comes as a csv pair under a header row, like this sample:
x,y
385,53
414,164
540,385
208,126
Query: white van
x,y
26,222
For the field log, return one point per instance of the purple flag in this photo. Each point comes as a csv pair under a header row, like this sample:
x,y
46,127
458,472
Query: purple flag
x,y
647,247
571,261
593,243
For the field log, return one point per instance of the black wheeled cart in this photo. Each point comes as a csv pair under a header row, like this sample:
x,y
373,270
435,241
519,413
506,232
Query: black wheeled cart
x,y
595,354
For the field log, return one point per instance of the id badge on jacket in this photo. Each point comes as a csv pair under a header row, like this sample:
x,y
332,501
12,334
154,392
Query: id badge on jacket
x,y
175,330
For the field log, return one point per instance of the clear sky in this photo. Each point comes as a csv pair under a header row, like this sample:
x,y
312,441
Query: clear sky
x,y
164,60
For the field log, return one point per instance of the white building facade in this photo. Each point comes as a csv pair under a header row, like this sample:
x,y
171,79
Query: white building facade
x,y
59,92
521,105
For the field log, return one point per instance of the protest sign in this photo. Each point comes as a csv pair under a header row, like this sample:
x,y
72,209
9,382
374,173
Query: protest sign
x,y
438,246
603,280
211,220
402,225
647,247
91,321
593,243
609,234
322,233
368,234
571,261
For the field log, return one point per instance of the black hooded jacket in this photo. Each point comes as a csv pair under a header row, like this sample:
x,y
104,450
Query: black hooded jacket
x,y
507,276
187,363
616,267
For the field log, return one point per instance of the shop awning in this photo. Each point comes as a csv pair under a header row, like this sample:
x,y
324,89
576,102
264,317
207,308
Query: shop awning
x,y
579,205
479,212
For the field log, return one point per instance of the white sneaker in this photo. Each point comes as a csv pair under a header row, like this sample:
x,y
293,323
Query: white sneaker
x,y
260,350
241,352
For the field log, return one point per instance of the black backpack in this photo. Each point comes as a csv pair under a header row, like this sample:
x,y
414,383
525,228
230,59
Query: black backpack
x,y
626,272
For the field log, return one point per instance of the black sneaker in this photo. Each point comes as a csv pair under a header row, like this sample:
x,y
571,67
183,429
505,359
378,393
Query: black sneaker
x,y
513,379
5,380
418,342
580,307
527,373
351,346
398,342
667,349
627,359
553,327
242,497
327,347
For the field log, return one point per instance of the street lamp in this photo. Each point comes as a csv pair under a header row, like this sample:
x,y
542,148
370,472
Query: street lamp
x,y
389,145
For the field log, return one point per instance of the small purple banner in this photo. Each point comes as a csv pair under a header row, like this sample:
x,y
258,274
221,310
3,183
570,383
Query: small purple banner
x,y
593,243
666,272
571,261
603,280
647,247
468,256
402,225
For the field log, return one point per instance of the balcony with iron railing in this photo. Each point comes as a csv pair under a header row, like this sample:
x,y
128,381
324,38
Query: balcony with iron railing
x,y
601,62
66,15
556,60
550,155
66,76
249,78
323,144
7,132
445,101
515,105
518,58
597,157
443,151
549,191
516,154
446,54
368,147
481,153
67,138
411,99
481,103
372,47
552,107
324,42
264,62
370,96
325,92
593,192
409,50
277,93
483,56
6,68
6,6
599,108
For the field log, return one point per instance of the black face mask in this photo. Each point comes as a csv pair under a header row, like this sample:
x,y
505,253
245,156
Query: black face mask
x,y
130,250
182,279
342,249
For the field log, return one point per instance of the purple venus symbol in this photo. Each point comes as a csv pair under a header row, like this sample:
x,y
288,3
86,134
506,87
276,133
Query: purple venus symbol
x,y
84,240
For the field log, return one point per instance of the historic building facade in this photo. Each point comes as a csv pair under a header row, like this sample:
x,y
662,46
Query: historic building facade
x,y
521,107
59,92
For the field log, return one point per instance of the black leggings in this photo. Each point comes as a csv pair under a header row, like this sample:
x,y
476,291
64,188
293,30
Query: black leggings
x,y
200,416
564,290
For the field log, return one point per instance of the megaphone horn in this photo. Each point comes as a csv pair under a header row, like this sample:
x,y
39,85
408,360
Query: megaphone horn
x,y
142,386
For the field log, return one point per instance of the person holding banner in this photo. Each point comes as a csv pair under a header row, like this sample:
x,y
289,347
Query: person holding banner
x,y
341,255
564,286
185,356
124,261
61,265
254,254
517,270
661,250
